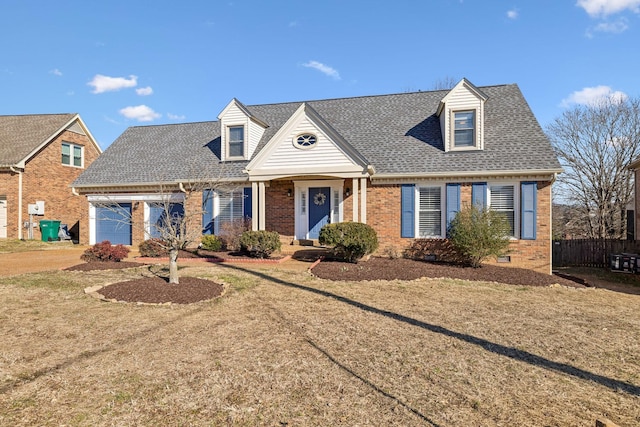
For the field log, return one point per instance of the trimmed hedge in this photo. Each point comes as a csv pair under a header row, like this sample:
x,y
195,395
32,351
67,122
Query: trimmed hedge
x,y
350,240
260,244
211,242
105,251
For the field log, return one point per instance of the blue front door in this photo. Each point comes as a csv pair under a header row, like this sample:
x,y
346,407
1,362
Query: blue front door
x,y
158,221
319,209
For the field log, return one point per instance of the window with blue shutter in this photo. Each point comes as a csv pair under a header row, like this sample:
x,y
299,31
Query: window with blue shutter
x,y
407,215
528,207
453,202
479,194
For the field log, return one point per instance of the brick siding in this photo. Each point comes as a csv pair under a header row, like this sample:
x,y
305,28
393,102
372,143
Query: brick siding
x,y
46,178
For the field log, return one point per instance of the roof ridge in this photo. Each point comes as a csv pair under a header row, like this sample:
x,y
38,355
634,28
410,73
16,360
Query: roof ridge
x,y
34,115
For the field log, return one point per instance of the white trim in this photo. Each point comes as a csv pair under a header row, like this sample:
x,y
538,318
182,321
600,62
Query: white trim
x,y
301,222
354,196
363,200
443,209
261,204
117,198
255,208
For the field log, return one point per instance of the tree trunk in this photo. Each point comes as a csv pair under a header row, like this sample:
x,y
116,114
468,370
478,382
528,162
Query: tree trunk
x,y
173,266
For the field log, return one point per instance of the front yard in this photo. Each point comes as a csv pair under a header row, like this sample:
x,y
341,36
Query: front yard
x,y
285,348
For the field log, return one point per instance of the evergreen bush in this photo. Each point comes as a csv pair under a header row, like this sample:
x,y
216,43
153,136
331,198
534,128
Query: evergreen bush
x,y
478,233
211,242
350,240
260,244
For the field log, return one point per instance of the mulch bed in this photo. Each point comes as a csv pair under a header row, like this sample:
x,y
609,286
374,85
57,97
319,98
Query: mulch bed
x,y
103,265
157,290
405,269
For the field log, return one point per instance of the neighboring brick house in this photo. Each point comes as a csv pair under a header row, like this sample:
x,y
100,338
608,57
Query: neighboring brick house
x,y
40,156
403,163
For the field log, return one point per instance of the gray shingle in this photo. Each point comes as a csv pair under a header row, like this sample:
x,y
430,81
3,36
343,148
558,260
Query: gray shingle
x,y
20,135
398,134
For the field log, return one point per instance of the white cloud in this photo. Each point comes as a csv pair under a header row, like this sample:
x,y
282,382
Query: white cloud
x,y
176,116
141,113
144,91
55,72
608,7
616,27
512,14
591,95
325,69
102,83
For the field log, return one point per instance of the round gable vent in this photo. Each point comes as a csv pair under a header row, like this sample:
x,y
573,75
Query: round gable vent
x,y
306,140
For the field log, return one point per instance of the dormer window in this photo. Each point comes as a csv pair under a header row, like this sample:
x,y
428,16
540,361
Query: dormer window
x,y
464,129
236,142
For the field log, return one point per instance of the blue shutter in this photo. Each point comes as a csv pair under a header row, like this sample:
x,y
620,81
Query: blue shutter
x,y
207,212
479,194
453,202
408,205
247,210
528,208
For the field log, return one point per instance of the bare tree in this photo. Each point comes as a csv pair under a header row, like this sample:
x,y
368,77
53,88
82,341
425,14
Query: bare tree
x,y
595,144
445,83
178,220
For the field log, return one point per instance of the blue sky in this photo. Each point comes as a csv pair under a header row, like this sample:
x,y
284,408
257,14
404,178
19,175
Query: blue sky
x,y
128,63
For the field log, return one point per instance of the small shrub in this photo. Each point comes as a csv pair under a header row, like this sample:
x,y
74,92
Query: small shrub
x,y
478,233
392,252
260,244
105,251
231,231
350,240
211,242
153,248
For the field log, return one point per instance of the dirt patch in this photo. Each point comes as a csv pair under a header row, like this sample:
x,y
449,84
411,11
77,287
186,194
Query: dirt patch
x,y
157,290
406,269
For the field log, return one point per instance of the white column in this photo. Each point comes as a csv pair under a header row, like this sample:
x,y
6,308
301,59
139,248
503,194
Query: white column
x,y
355,199
363,200
261,214
255,215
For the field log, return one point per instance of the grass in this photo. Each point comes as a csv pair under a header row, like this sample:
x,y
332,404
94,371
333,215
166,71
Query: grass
x,y
604,274
288,349
16,245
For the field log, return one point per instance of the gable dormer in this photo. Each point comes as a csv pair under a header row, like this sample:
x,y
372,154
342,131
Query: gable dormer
x,y
240,132
461,114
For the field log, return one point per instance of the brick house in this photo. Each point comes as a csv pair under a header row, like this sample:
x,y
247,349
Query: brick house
x,y
402,163
40,156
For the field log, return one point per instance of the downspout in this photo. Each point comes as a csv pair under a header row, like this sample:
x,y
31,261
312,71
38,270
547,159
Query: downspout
x,y
14,170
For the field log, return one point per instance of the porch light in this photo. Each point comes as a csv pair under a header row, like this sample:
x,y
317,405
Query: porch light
x,y
289,192
348,192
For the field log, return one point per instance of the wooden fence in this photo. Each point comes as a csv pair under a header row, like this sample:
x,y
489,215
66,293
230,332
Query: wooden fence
x,y
590,252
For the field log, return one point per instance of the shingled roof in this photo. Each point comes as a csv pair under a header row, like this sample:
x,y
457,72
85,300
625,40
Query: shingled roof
x,y
399,135
21,135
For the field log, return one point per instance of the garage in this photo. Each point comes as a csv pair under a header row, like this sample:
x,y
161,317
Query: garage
x,y
113,223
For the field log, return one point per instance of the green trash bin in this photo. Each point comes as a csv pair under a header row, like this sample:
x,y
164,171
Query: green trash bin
x,y
49,229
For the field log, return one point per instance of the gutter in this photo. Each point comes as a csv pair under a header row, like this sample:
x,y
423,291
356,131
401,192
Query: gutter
x,y
474,174
14,170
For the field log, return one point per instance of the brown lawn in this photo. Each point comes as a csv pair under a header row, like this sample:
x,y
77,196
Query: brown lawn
x,y
285,348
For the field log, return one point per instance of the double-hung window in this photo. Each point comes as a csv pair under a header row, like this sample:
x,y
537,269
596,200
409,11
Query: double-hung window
x,y
503,201
430,212
71,154
236,142
464,129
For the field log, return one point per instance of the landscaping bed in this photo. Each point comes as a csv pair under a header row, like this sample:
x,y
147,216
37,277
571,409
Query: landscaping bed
x,y
157,290
406,269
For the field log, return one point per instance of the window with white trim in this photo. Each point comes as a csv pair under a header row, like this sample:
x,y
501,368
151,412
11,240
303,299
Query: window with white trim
x,y
235,142
71,154
502,199
464,129
430,212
